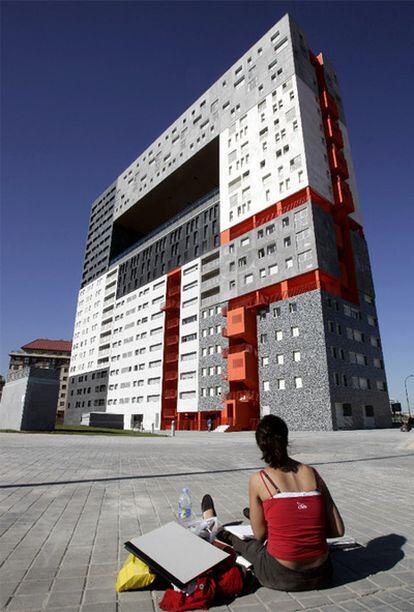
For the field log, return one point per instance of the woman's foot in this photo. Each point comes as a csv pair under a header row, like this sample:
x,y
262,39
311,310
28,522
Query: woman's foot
x,y
207,507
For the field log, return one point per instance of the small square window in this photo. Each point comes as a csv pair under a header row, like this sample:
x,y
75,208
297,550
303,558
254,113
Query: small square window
x,y
296,355
279,335
294,331
280,359
298,382
281,384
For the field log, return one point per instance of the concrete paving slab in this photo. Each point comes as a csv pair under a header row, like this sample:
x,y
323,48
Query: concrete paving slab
x,y
68,503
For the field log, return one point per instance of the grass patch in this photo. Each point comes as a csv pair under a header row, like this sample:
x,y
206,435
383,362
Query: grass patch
x,y
84,430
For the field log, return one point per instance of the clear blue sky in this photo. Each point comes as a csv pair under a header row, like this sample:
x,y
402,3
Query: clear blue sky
x,y
88,85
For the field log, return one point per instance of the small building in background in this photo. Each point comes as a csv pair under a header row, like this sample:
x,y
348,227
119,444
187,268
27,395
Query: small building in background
x,y
29,399
2,383
50,355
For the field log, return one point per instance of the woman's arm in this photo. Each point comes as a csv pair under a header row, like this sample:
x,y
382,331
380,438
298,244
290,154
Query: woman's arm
x,y
257,519
334,524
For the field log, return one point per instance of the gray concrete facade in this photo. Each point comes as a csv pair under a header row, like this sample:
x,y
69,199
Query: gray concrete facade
x,y
29,400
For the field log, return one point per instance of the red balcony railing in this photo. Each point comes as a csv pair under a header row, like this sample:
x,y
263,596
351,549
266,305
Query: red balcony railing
x,y
173,323
333,133
171,358
171,376
338,162
170,305
170,394
328,104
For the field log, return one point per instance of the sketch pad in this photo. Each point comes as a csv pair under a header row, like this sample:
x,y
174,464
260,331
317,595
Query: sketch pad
x,y
244,532
175,553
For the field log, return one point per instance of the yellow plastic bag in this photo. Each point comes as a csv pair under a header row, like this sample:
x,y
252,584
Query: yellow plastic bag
x,y
134,574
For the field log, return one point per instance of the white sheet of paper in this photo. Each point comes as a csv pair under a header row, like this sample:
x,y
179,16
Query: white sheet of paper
x,y
244,532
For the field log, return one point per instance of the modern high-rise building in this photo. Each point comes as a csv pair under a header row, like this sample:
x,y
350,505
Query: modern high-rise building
x,y
226,272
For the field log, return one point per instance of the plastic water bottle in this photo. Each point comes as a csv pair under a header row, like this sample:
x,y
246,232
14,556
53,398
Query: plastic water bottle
x,y
184,505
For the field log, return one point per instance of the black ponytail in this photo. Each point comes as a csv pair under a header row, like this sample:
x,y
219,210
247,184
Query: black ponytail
x,y
272,439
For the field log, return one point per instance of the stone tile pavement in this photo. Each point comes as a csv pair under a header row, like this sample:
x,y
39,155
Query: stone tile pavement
x,y
67,504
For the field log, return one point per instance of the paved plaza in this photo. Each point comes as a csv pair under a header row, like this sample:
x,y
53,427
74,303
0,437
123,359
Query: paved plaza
x,y
67,504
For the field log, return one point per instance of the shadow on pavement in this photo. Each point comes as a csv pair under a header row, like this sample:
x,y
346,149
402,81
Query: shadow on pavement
x,y
194,473
379,555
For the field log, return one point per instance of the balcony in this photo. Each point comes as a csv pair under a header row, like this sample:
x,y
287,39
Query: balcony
x,y
328,104
171,376
170,304
171,340
243,396
171,358
333,133
173,323
170,394
338,163
174,290
343,195
241,323
242,368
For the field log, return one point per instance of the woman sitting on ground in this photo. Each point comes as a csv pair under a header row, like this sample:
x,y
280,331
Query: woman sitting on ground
x,y
291,514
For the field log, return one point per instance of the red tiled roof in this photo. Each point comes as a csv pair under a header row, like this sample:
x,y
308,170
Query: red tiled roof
x,y
42,344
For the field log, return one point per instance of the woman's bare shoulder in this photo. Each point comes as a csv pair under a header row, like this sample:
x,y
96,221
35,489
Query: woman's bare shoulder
x,y
255,479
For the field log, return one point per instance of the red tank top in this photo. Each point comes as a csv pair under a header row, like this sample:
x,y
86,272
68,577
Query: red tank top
x,y
296,527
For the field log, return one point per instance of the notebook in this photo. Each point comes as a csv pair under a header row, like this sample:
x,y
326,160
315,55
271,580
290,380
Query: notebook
x,y
244,531
175,553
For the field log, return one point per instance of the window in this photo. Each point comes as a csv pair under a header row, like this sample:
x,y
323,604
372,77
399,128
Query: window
x,y
296,355
191,319
188,356
298,382
293,307
294,331
265,361
248,279
277,311
347,410
187,394
263,338
279,334
188,337
245,242
262,272
289,263
187,375
280,359
242,262
281,384
369,411
266,385
271,248
155,364
273,269
287,242
285,222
